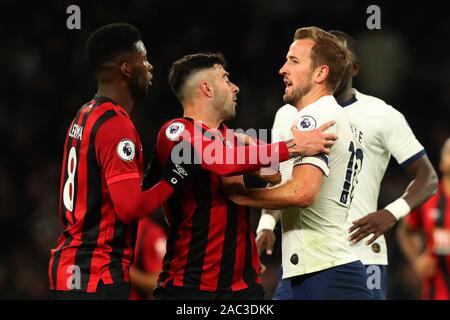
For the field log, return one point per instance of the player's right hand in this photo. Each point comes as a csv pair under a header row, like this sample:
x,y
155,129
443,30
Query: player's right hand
x,y
312,142
425,265
265,240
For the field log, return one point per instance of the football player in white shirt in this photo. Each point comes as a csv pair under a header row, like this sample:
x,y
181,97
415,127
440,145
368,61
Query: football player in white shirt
x,y
385,133
318,190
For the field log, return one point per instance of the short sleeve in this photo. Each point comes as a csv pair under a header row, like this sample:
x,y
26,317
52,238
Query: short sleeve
x,y
400,140
310,119
320,161
117,150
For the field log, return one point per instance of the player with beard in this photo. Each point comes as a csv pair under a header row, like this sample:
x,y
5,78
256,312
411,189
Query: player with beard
x,y
316,192
211,251
386,133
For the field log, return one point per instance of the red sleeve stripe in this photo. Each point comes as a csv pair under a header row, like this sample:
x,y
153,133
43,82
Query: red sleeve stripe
x,y
125,176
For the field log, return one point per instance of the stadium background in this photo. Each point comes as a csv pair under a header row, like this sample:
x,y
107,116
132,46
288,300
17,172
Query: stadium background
x,y
45,79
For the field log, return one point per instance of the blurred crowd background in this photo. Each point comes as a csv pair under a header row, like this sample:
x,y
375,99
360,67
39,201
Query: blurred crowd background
x,y
45,79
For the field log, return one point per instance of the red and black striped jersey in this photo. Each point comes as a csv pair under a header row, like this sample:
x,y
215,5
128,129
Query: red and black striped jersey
x,y
433,218
210,245
102,146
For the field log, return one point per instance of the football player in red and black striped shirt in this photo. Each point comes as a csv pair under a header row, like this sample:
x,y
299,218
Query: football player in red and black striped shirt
x,y
100,193
211,251
432,219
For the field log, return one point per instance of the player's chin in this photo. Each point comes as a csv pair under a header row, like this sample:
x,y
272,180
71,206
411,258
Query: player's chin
x,y
230,115
287,98
145,87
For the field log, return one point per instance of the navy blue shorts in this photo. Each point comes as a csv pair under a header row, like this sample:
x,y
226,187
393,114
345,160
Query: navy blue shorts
x,y
344,282
377,282
284,289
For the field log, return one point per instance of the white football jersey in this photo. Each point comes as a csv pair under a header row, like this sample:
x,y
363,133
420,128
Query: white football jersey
x,y
386,132
315,238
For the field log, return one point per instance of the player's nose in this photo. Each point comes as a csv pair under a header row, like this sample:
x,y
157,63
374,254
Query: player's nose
x,y
283,70
235,89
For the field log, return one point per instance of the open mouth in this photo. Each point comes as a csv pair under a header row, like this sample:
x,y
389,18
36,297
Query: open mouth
x,y
287,82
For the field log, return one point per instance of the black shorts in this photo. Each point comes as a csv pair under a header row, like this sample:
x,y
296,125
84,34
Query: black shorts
x,y
254,292
117,291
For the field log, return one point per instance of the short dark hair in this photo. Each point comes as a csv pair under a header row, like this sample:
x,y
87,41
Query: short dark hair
x,y
328,50
181,69
352,44
108,41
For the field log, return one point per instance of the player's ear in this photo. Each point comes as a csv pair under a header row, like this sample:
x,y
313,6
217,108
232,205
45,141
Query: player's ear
x,y
355,68
206,89
125,69
321,73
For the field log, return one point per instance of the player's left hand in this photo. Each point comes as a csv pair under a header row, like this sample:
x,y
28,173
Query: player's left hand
x,y
377,222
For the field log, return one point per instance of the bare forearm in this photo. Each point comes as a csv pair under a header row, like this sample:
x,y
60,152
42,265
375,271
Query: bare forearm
x,y
274,198
235,189
273,179
423,185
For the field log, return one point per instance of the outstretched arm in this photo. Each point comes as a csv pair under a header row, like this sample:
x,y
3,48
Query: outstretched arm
x,y
304,143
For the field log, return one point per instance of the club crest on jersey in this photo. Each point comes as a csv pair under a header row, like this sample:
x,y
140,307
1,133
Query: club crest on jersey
x,y
174,131
306,123
126,150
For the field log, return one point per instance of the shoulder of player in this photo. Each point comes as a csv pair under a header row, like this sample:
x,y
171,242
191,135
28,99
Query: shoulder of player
x,y
326,109
284,115
107,114
183,121
375,103
115,121
319,112
174,128
285,110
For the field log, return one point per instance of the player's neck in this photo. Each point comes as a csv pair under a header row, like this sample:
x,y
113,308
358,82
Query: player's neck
x,y
345,95
121,96
312,96
198,113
